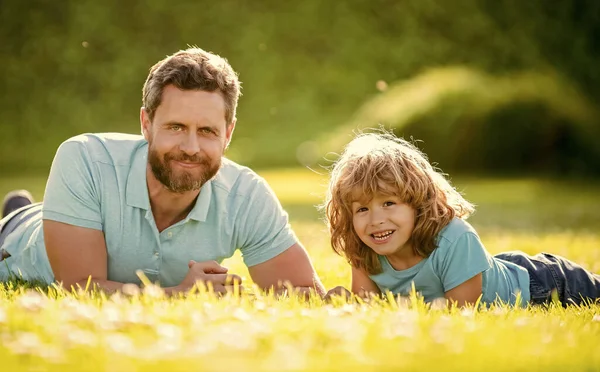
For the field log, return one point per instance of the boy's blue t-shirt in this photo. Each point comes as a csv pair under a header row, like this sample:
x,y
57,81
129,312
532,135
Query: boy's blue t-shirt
x,y
459,256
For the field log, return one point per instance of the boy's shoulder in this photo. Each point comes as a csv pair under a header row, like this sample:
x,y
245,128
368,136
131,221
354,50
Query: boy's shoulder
x,y
454,230
452,241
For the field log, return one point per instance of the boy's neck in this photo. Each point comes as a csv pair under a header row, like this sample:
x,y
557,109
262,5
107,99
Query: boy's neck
x,y
404,259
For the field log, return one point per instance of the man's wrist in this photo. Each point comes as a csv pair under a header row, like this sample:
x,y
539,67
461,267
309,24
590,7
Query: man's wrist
x,y
170,291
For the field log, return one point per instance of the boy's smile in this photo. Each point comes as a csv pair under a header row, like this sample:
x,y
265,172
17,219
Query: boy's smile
x,y
385,224
383,236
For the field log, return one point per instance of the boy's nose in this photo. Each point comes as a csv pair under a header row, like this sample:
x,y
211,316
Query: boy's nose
x,y
377,218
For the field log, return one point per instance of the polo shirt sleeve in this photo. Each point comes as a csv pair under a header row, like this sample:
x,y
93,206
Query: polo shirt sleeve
x,y
460,260
265,231
71,195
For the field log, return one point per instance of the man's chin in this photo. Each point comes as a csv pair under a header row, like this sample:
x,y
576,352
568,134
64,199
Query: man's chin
x,y
182,188
188,181
191,173
181,177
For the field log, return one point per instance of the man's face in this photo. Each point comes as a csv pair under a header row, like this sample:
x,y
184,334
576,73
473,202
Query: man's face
x,y
187,138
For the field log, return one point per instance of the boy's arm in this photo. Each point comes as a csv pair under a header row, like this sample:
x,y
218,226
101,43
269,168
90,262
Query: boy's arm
x,y
460,267
362,284
466,293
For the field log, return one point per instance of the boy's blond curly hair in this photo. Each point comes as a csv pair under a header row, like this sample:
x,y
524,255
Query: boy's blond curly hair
x,y
381,163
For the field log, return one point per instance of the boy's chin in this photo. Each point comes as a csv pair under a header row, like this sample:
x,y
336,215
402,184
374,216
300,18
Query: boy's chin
x,y
384,251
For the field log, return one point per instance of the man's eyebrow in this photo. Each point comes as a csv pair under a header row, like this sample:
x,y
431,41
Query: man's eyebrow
x,y
173,122
211,127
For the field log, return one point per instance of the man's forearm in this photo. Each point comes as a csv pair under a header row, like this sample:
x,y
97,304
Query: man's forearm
x,y
303,290
109,286
318,287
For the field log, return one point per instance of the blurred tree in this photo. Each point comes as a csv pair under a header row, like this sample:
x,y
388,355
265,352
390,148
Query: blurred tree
x,y
77,66
534,122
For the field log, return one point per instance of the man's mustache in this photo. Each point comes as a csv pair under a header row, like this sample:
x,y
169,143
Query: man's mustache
x,y
186,158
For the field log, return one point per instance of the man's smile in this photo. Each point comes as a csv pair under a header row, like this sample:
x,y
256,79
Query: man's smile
x,y
187,164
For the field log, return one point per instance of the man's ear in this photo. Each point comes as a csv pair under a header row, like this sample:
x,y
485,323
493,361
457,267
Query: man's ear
x,y
145,123
229,133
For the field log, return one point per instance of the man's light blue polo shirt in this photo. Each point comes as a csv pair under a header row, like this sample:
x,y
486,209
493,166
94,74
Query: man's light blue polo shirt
x,y
98,181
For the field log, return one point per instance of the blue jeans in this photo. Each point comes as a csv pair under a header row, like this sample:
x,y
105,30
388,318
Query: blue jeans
x,y
573,284
8,224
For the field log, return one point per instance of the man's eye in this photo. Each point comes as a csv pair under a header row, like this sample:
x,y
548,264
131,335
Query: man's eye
x,y
176,128
206,130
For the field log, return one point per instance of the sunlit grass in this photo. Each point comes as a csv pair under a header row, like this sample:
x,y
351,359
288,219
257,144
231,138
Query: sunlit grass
x,y
95,333
56,331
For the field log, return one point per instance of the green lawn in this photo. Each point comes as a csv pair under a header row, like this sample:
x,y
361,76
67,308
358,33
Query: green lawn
x,y
57,331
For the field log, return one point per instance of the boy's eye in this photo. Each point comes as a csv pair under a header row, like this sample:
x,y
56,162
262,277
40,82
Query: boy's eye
x,y
361,209
388,203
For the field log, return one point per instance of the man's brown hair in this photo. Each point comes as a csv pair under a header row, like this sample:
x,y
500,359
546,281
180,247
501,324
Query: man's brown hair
x,y
192,69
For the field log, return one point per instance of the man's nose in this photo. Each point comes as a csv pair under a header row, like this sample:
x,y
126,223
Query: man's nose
x,y
190,145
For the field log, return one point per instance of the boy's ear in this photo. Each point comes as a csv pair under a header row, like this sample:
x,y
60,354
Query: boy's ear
x,y
145,123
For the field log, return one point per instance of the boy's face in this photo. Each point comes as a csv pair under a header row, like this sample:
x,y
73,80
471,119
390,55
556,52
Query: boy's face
x,y
385,224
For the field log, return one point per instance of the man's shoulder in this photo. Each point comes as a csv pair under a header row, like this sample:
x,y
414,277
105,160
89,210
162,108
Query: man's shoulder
x,y
237,179
108,141
111,148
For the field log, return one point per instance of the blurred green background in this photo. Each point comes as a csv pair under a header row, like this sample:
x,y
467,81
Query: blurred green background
x,y
501,87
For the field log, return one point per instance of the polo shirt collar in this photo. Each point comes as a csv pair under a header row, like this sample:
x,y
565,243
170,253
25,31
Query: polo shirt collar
x,y
137,188
200,210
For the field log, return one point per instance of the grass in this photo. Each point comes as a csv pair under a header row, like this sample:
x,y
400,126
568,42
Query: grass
x,y
52,330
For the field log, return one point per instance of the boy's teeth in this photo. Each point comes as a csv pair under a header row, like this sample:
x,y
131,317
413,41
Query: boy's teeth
x,y
382,236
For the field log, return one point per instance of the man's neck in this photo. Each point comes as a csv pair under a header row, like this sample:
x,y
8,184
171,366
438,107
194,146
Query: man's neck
x,y
168,207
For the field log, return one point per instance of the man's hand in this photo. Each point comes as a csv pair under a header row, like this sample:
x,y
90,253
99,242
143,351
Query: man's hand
x,y
209,272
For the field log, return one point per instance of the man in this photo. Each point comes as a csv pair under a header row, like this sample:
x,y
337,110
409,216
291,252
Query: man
x,y
168,203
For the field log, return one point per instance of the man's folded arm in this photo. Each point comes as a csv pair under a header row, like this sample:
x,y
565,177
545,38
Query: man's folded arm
x,y
293,266
77,253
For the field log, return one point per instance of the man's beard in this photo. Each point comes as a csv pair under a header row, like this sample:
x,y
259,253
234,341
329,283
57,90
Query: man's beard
x,y
184,181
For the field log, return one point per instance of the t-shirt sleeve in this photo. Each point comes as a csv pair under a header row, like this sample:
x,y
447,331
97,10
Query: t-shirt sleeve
x,y
71,195
264,230
461,260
